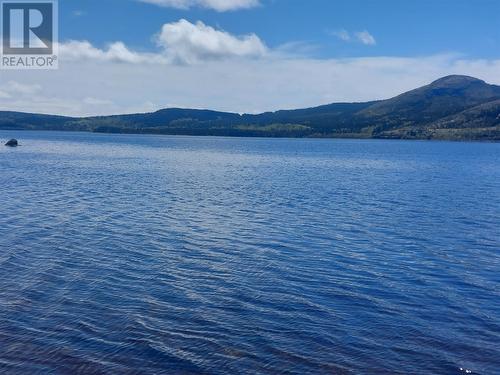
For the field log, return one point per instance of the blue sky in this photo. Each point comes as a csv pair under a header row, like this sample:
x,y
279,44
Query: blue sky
x,y
122,56
400,27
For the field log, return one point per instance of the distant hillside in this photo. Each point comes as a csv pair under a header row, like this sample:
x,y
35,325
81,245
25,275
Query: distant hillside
x,y
453,107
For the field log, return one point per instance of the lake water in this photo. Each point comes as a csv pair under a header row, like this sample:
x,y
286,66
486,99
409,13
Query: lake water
x,y
126,254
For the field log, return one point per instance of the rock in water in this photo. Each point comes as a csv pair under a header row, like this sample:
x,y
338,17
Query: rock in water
x,y
12,143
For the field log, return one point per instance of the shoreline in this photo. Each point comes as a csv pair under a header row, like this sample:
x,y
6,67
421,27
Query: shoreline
x,y
152,134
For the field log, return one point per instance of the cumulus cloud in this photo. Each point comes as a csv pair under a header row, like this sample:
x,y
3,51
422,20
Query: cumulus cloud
x,y
363,37
189,43
180,42
117,52
218,5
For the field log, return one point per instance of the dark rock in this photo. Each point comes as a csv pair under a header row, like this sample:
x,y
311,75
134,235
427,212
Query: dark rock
x,y
12,143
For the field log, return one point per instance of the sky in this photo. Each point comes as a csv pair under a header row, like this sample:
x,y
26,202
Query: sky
x,y
125,56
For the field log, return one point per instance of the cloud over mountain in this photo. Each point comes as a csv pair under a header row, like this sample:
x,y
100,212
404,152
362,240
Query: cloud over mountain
x,y
242,69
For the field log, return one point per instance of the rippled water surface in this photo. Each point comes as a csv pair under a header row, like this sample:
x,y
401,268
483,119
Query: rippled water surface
x,y
124,254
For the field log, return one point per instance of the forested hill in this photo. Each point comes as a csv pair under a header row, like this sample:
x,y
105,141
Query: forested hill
x,y
453,107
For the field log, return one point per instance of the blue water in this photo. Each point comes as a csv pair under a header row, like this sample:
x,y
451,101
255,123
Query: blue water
x,y
125,254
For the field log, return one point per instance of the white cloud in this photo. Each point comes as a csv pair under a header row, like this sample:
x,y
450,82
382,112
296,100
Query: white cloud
x,y
81,87
15,88
366,38
363,37
220,71
218,5
189,43
342,35
117,52
180,42
97,101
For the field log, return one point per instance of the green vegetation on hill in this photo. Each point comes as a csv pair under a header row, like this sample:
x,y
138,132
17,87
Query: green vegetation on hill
x,y
453,107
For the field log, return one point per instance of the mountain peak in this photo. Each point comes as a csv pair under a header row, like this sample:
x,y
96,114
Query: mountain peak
x,y
455,80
